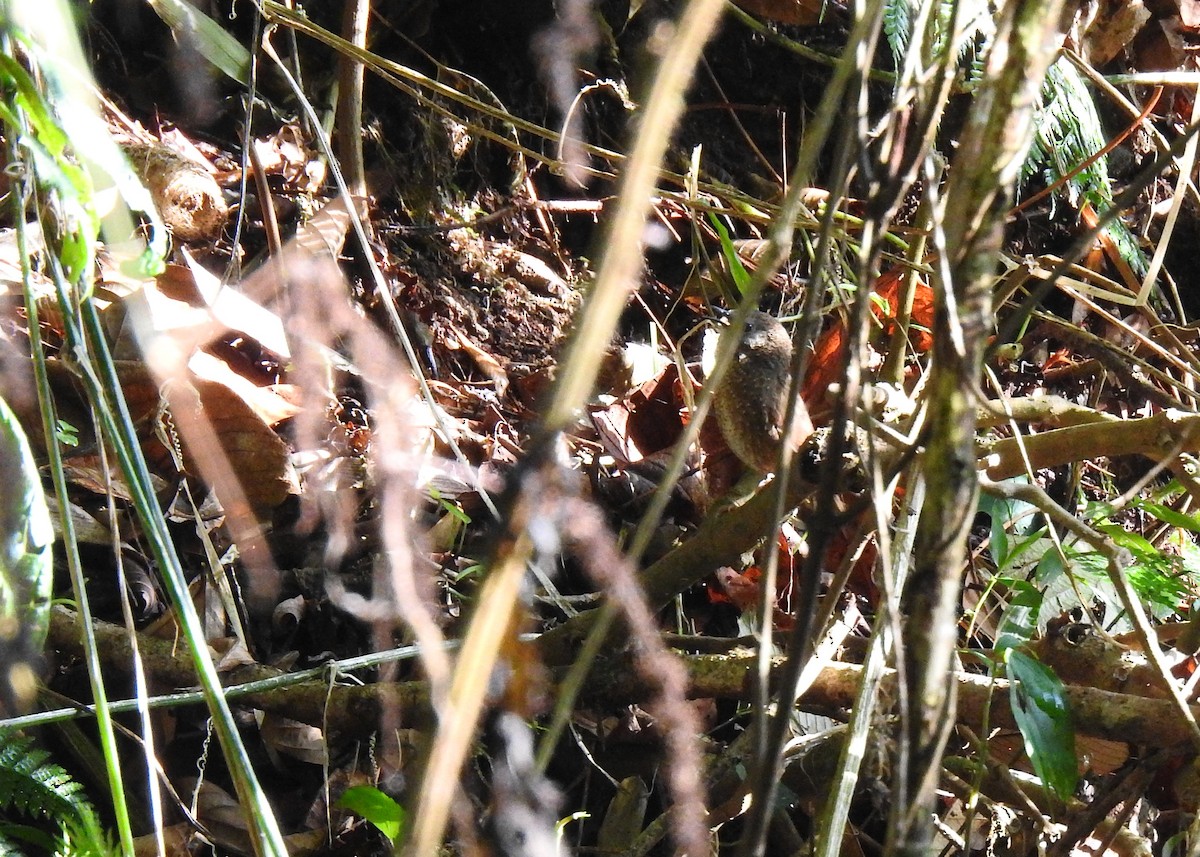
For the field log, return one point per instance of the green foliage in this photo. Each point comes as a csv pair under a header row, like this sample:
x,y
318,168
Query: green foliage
x,y
33,786
1019,622
1168,515
1036,695
376,807
1067,131
67,434
43,37
1155,576
26,564
897,26
1160,578
1015,528
737,271
1067,126
974,25
1039,704
1022,550
45,144
208,37
44,116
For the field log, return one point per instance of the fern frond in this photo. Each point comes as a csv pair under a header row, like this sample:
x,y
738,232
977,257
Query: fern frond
x,y
34,786
8,848
897,27
975,27
18,840
1067,131
30,784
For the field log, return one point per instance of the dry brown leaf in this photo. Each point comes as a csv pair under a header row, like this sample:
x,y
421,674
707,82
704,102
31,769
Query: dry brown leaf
x,y
257,456
177,839
612,424
293,738
237,312
11,278
221,815
86,471
286,154
236,655
1189,14
1114,28
1159,47
288,613
265,402
1100,756
193,308
487,363
325,233
648,421
88,530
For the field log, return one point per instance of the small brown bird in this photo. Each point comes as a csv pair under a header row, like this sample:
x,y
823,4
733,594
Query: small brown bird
x,y
751,402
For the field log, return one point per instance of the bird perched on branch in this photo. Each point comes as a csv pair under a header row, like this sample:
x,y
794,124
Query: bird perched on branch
x,y
751,401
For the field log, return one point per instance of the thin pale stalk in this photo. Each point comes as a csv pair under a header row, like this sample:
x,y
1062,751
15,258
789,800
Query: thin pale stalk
x,y
70,545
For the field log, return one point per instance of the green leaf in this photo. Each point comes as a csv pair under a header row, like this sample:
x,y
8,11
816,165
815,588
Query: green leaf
x,y
32,784
1039,705
375,807
1049,567
1138,545
1020,618
1010,516
67,434
40,116
208,37
27,833
741,277
1067,132
1169,516
26,563
46,143
73,174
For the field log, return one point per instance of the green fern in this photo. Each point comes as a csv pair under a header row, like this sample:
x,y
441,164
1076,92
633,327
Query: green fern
x,y
975,27
32,785
1067,133
897,27
1067,127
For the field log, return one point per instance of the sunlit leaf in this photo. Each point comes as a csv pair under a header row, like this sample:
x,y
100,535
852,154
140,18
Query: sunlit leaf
x,y
741,277
210,38
1039,705
375,807
1169,516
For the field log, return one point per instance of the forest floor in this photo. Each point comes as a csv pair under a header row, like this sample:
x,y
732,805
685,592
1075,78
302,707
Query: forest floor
x,y
336,394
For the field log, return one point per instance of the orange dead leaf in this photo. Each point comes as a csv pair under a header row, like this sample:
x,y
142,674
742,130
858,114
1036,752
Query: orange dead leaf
x,y
737,588
824,371
1058,360
1113,253
830,350
888,287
